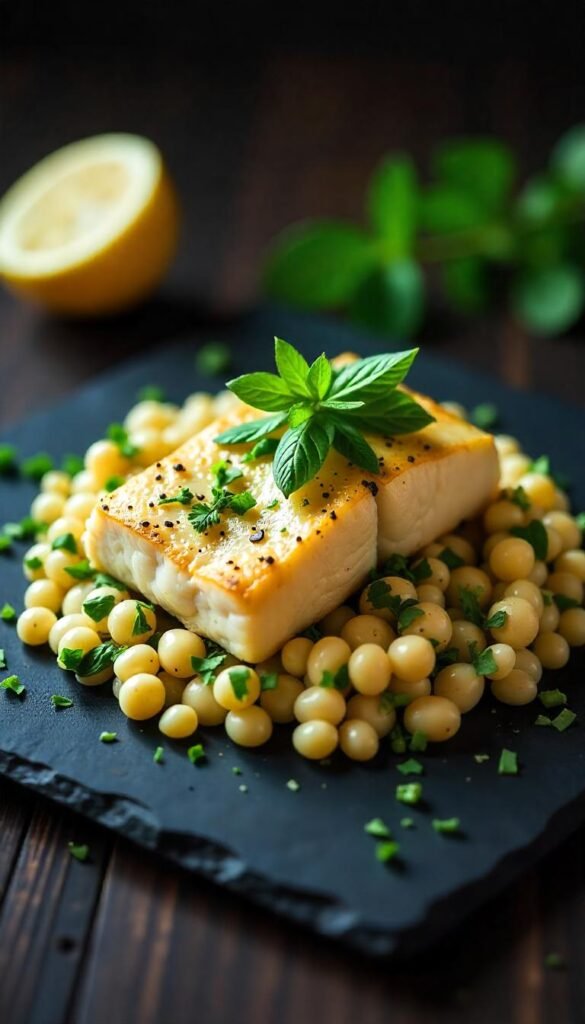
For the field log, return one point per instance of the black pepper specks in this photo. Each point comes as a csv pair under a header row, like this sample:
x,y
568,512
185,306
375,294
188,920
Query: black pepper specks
x,y
145,522
158,476
299,540
305,502
325,494
332,515
410,458
106,508
257,536
179,467
270,560
169,523
371,487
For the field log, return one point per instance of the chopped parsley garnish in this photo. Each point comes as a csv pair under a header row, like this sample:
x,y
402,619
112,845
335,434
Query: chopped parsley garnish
x,y
293,785
389,701
377,828
7,459
407,822
497,620
380,596
99,608
269,680
485,416
312,633
408,613
266,446
61,702
518,496
469,601
151,393
337,681
35,467
410,767
65,542
81,570
543,720
387,851
7,612
446,826
119,435
78,850
552,698
563,602
113,482
13,685
273,504
140,621
2,658
108,737
92,663
158,756
540,465
5,542
409,792
508,763
33,563
208,666
214,358
484,662
236,770
72,464
397,740
481,758
239,680
183,497
450,558
580,520
225,473
563,720
536,535
447,657
103,579
196,753
25,529
418,742
203,515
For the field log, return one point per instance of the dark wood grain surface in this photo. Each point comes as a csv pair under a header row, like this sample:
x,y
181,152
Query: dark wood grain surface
x,y
253,144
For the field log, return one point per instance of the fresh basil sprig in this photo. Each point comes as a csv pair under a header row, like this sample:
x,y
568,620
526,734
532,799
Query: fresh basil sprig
x,y
325,408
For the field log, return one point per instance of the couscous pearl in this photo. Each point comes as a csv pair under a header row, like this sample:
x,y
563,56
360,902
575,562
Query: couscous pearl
x,y
538,574
151,415
327,655
56,482
369,669
416,688
461,684
74,598
505,659
506,444
108,594
178,721
358,740
434,624
437,717
549,618
572,626
176,648
97,679
315,740
572,562
465,635
79,638
64,525
529,591
502,515
279,703
374,711
512,559
47,507
512,467
295,655
34,626
411,657
554,544
173,688
319,702
125,619
491,542
56,565
83,483
80,506
103,460
44,594
440,574
142,696
397,587
138,659
333,623
40,552
234,690
516,689
150,445
567,528
367,629
431,594
469,577
539,489
552,650
566,584
521,624
460,547
62,626
199,696
529,663
250,727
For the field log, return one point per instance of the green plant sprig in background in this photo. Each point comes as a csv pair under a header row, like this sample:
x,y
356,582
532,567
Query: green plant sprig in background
x,y
469,221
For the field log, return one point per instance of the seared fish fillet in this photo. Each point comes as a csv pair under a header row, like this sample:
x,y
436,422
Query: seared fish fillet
x,y
252,582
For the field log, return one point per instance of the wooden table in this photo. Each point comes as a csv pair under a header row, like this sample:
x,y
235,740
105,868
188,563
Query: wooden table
x,y
253,144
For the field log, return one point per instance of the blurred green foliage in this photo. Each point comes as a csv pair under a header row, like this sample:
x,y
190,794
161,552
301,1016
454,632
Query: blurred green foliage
x,y
472,223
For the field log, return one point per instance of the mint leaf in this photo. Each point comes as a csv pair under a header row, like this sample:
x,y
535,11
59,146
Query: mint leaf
x,y
391,299
395,413
549,300
319,377
348,441
392,205
483,168
568,158
262,391
292,367
213,359
300,454
266,446
373,376
251,431
317,265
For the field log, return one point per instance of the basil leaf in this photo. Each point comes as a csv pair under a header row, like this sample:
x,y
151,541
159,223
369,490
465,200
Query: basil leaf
x,y
298,413
392,205
251,431
443,208
482,168
262,391
292,367
350,443
300,454
317,265
373,376
320,376
549,300
391,299
397,413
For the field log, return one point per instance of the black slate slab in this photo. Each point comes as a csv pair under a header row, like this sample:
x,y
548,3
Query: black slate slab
x,y
303,853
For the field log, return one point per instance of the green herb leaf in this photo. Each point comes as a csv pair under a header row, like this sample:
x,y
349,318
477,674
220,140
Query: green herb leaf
x,y
497,620
555,962
543,720
65,542
119,435
7,459
183,497
568,158
377,828
214,358
293,785
2,658
113,482
410,767
450,558
242,503
418,742
151,393
35,467
14,685
300,454
485,416
483,168
391,299
319,377
140,625
408,614
103,579
508,763
266,446
98,659
481,758
269,681
407,823
549,300
484,662
81,570
78,850
292,367
253,430
446,826
387,851
159,755
239,680
5,543
397,739
409,792
225,473
536,535
196,753
392,206
207,667
108,737
317,265
563,720
24,530
552,698
352,445
70,658
563,602
33,563
7,612
72,464
61,702
263,390
338,680
518,496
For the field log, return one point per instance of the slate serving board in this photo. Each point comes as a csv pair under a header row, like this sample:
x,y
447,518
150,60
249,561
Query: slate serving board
x,y
303,854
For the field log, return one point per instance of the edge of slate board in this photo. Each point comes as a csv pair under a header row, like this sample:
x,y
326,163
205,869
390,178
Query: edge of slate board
x,y
323,913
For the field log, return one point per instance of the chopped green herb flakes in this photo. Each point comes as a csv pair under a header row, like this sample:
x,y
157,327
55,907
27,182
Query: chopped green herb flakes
x,y
61,702
377,828
508,763
13,685
80,851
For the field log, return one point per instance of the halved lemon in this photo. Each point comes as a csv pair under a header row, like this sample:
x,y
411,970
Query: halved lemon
x,y
90,229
